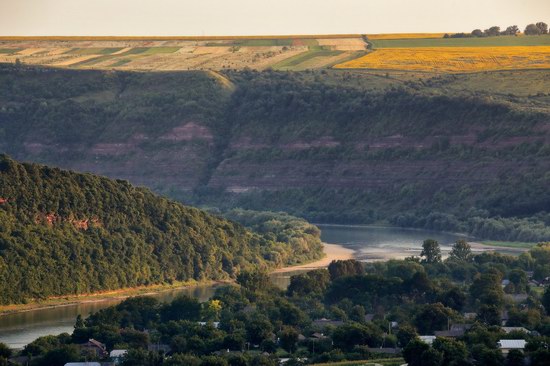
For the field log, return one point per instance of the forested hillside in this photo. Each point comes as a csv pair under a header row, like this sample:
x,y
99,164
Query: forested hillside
x,y
463,153
103,235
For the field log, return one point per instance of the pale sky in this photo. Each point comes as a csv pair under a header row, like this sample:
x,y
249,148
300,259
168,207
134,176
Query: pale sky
x,y
261,17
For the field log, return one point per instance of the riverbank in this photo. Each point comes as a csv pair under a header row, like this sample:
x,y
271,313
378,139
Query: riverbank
x,y
501,246
121,294
332,252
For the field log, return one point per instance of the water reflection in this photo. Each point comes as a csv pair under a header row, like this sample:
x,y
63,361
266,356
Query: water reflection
x,y
17,330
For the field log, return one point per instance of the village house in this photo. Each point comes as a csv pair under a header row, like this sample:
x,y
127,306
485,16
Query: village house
x,y
94,348
428,339
506,345
117,355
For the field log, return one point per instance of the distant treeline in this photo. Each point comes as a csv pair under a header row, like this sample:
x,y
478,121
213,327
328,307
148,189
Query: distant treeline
x,y
534,29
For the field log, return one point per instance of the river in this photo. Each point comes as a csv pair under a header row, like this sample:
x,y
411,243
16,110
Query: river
x,y
368,242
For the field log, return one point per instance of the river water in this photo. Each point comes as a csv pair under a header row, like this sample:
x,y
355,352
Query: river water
x,y
369,243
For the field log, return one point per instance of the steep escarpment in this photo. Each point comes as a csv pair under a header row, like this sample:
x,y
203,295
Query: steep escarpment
x,y
329,146
67,233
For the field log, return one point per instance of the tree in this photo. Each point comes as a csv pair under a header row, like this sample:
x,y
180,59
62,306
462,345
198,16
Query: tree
x,y
431,251
511,30
493,31
5,351
315,282
433,317
289,338
183,307
453,298
486,289
60,356
515,358
543,27
405,334
477,33
488,357
343,268
518,277
349,335
461,251
254,280
452,350
532,30
179,359
258,329
546,300
213,361
431,357
79,324
489,314
413,352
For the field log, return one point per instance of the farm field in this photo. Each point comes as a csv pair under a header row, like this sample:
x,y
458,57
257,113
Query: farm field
x,y
414,52
404,36
185,53
501,41
453,59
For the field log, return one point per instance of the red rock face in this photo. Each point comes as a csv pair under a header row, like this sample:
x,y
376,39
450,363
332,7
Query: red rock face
x,y
188,132
51,219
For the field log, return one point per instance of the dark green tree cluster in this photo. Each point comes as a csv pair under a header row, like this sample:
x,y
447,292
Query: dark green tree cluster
x,y
534,29
66,233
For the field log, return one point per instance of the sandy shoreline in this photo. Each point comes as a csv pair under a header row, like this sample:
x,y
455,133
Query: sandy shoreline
x,y
332,252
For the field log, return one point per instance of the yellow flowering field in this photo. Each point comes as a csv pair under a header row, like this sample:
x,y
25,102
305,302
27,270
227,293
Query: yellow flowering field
x,y
453,59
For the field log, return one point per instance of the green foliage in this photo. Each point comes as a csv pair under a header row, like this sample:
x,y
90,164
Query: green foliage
x,y
254,280
461,251
106,234
433,317
305,126
296,240
312,282
5,353
343,268
431,251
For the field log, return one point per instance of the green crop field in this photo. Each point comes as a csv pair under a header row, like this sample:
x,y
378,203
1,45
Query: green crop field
x,y
124,61
463,42
135,51
155,50
292,62
92,61
93,51
10,50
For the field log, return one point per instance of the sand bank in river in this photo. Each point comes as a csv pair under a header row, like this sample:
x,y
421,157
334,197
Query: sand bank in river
x,y
332,252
